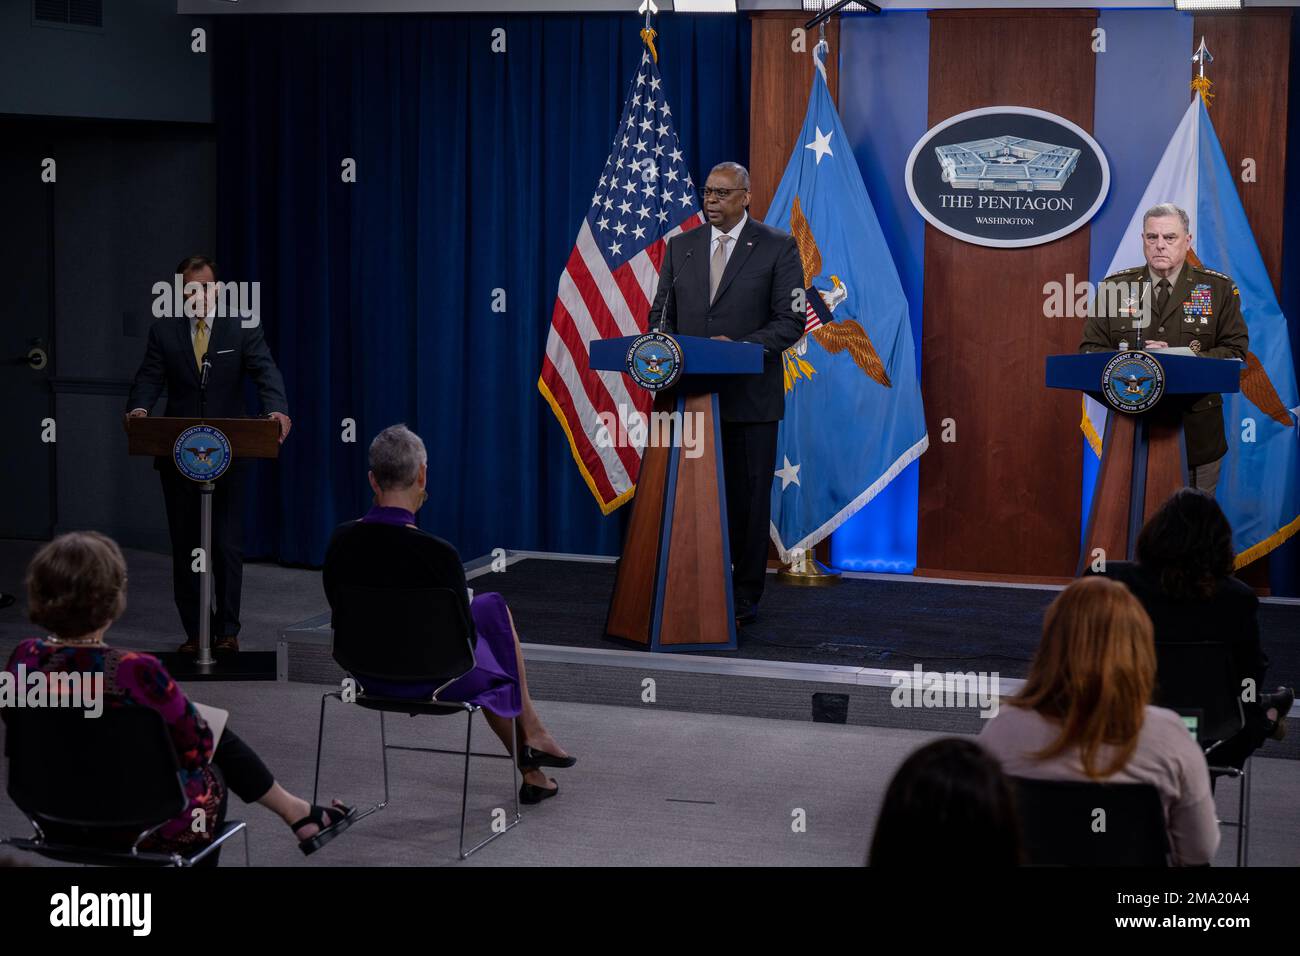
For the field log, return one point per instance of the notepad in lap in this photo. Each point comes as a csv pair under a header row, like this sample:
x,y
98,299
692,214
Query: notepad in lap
x,y
215,718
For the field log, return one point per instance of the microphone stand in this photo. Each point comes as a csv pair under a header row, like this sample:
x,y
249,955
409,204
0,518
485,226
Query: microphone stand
x,y
205,660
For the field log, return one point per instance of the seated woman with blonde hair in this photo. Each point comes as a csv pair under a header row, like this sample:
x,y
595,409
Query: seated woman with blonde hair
x,y
385,549
1084,714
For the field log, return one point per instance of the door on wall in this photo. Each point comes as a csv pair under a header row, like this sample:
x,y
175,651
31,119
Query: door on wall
x,y
26,336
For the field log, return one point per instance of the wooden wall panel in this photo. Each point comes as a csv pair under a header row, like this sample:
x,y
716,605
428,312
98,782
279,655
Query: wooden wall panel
x,y
1002,499
1252,60
780,82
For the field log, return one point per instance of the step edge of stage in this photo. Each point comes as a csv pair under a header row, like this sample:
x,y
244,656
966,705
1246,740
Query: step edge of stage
x,y
734,667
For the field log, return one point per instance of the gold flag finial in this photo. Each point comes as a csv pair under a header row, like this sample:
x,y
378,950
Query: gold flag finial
x,y
1200,82
648,33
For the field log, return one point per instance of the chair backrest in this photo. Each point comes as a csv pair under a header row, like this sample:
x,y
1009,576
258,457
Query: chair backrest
x,y
1069,823
1200,676
420,635
114,771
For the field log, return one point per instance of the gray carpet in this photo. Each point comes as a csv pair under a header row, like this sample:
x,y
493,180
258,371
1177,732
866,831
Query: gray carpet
x,y
651,788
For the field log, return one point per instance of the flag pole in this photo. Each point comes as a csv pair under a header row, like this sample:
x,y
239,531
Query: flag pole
x,y
805,571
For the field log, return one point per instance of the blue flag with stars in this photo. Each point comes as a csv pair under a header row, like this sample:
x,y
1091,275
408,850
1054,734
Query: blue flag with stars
x,y
853,413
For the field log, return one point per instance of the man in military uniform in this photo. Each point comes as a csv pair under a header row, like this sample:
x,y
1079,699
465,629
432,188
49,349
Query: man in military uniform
x,y
1170,303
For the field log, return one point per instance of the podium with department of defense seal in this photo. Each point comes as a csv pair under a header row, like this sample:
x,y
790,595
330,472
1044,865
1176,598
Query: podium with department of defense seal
x,y
673,587
202,449
1144,455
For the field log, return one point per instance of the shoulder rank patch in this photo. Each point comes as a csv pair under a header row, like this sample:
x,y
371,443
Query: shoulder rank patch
x,y
1211,272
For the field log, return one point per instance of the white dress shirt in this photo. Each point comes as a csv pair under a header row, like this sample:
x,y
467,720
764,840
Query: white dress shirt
x,y
734,232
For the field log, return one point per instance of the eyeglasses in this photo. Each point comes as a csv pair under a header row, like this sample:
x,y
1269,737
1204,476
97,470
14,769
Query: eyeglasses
x,y
720,193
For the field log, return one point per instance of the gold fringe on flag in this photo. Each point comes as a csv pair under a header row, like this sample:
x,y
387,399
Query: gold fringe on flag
x,y
648,36
1202,84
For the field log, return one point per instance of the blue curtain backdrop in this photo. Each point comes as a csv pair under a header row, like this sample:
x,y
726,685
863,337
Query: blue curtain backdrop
x,y
473,170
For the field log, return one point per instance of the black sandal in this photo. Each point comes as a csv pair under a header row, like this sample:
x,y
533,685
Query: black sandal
x,y
331,820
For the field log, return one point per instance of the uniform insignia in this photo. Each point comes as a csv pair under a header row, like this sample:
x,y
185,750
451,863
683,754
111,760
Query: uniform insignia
x,y
1201,304
1196,345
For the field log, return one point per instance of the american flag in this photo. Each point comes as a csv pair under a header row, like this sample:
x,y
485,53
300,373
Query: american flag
x,y
645,196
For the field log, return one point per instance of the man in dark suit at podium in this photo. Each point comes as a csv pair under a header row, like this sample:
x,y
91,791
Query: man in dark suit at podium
x,y
174,359
737,279
1188,307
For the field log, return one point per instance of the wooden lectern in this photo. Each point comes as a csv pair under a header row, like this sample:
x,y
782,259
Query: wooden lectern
x,y
673,590
1144,457
249,438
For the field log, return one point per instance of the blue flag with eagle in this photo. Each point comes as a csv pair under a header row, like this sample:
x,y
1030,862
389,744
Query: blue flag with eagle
x,y
853,412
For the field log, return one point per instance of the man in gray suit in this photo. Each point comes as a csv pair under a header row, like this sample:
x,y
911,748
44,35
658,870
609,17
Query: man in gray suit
x,y
173,360
737,279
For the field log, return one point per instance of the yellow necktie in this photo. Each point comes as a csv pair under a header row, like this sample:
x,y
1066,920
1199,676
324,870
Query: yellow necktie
x,y
200,343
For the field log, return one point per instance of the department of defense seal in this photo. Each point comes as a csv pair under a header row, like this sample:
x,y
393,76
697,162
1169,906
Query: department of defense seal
x,y
1133,382
202,453
654,361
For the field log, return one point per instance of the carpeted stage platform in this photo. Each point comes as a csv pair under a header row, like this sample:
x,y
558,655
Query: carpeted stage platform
x,y
884,621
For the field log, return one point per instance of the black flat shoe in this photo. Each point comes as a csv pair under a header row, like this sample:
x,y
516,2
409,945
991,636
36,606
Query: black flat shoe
x,y
529,793
530,759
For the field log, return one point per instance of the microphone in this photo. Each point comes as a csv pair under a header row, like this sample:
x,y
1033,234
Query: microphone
x,y
205,368
659,326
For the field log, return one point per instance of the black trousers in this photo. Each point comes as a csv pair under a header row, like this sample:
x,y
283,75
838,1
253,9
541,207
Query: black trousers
x,y
181,496
241,767
749,462
243,773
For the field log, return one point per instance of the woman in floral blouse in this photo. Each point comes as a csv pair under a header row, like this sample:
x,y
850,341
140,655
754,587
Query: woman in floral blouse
x,y
76,587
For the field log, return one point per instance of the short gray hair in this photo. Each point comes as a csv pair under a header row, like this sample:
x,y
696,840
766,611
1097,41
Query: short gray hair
x,y
1167,209
736,168
396,455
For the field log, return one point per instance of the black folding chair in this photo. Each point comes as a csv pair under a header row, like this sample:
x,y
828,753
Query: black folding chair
x,y
410,636
89,780
1198,679
1061,826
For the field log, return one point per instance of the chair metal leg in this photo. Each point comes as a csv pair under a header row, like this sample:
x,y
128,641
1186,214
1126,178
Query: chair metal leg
x,y
464,798
514,773
383,753
320,741
464,787
1243,816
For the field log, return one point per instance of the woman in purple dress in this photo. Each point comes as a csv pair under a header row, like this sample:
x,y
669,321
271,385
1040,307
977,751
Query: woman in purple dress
x,y
76,589
385,549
